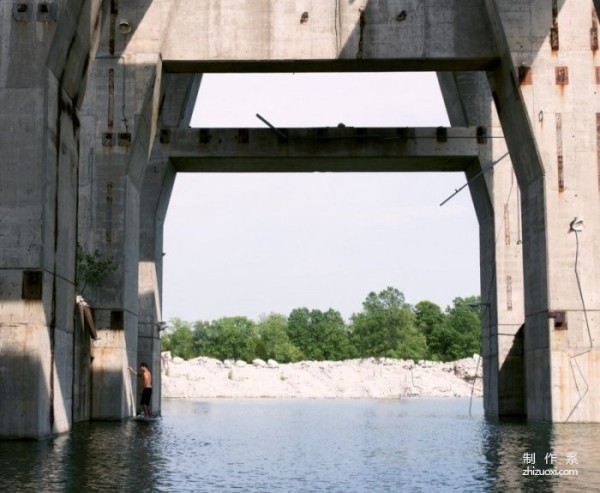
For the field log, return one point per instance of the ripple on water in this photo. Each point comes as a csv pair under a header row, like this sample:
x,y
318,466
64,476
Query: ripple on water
x,y
304,445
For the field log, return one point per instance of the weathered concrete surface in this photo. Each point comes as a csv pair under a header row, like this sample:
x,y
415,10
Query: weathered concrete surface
x,y
469,101
41,86
548,115
322,149
374,35
178,100
82,90
121,112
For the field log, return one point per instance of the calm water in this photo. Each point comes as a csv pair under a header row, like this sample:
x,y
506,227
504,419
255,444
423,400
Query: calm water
x,y
305,446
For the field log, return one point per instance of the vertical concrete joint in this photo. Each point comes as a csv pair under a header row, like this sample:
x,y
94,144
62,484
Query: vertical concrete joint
x,y
559,153
111,97
594,32
554,45
114,11
109,200
506,225
598,147
361,24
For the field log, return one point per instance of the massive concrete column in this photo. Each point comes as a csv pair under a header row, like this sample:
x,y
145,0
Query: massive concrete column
x,y
469,103
41,86
156,192
179,97
121,112
544,91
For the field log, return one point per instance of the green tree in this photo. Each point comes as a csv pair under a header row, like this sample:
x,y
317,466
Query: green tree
x,y
202,341
319,335
387,328
388,299
443,344
460,336
233,338
92,268
178,339
429,316
273,340
464,317
333,336
433,323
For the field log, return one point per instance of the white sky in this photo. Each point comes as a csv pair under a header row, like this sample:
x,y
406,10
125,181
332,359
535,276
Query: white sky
x,y
252,244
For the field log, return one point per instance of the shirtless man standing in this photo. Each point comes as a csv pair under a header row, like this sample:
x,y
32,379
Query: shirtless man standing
x,y
147,389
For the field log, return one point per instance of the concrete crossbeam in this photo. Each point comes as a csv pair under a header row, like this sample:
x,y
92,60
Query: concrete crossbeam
x,y
269,35
322,149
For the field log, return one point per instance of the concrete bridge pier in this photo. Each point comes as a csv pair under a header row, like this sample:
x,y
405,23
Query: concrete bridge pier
x,y
178,99
122,107
468,101
106,195
544,90
157,187
41,87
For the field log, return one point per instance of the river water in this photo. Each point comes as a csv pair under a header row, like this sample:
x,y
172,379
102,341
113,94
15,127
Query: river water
x,y
262,445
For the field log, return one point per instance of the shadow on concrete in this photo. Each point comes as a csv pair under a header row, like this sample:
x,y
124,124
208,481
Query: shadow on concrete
x,y
26,409
511,380
82,375
378,21
149,348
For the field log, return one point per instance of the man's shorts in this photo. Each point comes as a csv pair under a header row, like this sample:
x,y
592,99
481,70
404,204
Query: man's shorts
x,y
146,395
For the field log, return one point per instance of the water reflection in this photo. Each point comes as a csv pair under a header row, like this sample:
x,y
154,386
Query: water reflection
x,y
522,456
274,445
93,457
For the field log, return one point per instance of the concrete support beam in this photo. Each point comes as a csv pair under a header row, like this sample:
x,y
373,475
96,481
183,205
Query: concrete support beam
x,y
268,35
545,95
178,100
321,149
469,102
157,188
529,170
40,89
121,110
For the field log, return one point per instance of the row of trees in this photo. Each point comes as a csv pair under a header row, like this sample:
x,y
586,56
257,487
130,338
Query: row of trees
x,y
387,326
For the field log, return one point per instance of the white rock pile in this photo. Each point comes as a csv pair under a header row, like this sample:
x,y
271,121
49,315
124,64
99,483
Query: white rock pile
x,y
378,378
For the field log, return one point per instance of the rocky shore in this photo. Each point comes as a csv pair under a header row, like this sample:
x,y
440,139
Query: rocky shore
x,y
375,378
